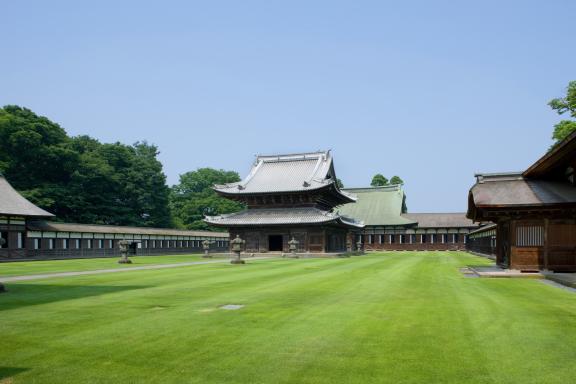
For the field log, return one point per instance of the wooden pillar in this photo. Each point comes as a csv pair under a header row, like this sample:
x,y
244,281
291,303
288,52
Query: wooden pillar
x,y
546,244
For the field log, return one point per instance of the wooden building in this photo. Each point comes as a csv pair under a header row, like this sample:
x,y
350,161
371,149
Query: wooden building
x,y
28,235
483,241
290,196
15,214
534,211
389,227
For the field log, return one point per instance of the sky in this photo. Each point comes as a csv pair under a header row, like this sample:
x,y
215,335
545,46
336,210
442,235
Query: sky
x,y
431,91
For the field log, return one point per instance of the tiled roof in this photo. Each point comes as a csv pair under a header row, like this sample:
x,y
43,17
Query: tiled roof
x,y
91,228
484,228
285,173
13,203
277,216
521,192
377,206
440,220
561,155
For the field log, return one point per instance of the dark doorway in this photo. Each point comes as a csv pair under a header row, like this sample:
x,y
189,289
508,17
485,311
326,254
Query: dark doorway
x,y
275,243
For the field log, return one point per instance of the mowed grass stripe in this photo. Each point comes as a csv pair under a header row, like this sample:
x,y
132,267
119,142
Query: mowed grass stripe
x,y
23,268
123,324
394,317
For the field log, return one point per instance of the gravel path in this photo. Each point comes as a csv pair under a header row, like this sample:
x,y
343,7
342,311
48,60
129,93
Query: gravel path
x,y
114,270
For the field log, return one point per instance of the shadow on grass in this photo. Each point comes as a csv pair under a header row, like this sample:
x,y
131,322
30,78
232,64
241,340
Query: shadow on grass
x,y
24,295
8,372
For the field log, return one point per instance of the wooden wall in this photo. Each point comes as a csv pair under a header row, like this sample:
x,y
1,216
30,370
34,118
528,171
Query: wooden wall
x,y
537,244
314,239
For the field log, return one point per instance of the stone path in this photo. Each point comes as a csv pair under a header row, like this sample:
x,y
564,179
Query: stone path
x,y
114,270
565,280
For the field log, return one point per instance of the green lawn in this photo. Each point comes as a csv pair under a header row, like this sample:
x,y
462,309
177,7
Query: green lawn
x,y
20,268
384,318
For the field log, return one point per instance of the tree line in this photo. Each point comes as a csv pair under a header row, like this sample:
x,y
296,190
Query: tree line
x,y
82,180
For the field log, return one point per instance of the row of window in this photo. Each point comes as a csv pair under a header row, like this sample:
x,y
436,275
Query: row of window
x,y
446,238
106,243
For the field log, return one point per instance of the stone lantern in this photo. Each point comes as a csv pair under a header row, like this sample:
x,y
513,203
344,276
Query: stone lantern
x,y
359,246
237,244
124,244
2,287
206,247
348,244
293,246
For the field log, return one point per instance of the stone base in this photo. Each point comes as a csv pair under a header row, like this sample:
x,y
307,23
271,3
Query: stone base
x,y
124,261
236,261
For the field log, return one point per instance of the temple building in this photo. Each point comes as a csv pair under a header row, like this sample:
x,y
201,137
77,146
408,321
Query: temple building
x,y
389,227
290,196
26,233
15,215
534,212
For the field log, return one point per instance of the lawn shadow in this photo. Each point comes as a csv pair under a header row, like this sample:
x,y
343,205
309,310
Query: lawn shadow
x,y
24,295
8,372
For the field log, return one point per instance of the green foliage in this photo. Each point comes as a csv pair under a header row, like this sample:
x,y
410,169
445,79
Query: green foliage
x,y
379,180
193,198
339,183
564,105
79,179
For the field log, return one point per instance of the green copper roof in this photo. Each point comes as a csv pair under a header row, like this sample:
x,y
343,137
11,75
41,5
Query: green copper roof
x,y
377,206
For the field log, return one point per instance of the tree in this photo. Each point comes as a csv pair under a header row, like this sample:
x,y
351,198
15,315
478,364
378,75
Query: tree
x,y
379,180
80,179
396,180
563,105
193,198
339,183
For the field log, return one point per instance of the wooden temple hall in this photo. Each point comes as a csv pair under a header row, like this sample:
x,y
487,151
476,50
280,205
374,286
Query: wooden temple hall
x,y
534,213
26,232
296,196
290,197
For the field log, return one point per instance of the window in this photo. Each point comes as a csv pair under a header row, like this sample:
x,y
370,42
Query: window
x,y
402,239
371,239
444,239
4,235
100,244
89,243
50,243
455,238
110,244
412,239
423,239
529,236
432,238
391,239
37,243
78,243
20,240
65,243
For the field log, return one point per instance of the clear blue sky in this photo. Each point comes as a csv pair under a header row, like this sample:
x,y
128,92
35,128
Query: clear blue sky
x,y
431,91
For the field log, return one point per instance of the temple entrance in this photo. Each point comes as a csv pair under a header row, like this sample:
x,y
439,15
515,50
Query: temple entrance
x,y
275,243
